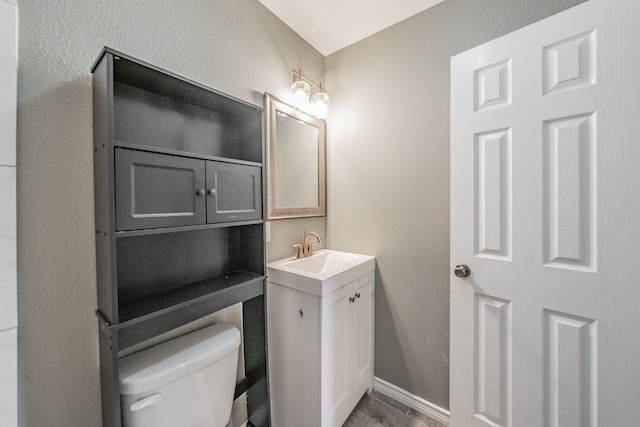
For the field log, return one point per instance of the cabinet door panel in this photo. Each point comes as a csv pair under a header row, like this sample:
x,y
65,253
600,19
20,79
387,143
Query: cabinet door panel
x,y
336,377
234,192
156,190
363,329
294,367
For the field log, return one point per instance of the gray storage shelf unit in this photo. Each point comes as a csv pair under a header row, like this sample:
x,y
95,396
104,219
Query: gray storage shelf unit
x,y
179,190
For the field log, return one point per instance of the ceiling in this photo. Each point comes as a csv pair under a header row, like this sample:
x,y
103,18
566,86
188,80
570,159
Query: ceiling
x,y
330,25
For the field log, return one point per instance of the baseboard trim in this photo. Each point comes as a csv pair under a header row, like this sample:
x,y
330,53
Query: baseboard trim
x,y
412,401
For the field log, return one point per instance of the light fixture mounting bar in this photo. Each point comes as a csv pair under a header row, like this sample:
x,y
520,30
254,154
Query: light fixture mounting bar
x,y
297,75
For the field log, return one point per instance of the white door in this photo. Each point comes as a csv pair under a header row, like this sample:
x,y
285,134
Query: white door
x,y
545,212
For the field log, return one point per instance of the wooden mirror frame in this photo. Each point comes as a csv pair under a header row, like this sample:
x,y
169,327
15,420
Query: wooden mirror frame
x,y
272,106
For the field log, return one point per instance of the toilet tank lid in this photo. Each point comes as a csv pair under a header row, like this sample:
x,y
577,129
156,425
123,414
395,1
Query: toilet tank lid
x,y
167,362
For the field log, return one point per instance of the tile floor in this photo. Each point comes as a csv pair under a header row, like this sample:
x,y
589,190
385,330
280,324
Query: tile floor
x,y
378,410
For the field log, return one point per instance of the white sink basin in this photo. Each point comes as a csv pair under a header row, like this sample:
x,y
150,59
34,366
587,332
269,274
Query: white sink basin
x,y
322,273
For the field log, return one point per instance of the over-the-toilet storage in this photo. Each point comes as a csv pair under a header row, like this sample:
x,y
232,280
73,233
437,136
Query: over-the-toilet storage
x,y
179,216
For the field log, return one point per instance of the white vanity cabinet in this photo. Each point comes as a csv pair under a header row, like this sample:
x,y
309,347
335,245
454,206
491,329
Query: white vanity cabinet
x,y
320,352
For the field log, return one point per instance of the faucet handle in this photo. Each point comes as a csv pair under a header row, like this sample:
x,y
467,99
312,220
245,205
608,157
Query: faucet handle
x,y
299,254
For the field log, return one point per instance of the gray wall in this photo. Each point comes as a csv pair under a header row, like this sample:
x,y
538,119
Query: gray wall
x,y
388,173
235,46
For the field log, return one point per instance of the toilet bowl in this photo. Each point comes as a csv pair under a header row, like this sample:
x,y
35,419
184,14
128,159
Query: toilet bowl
x,y
188,381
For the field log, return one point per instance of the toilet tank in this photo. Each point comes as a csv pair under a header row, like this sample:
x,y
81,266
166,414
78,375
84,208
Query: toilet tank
x,y
188,381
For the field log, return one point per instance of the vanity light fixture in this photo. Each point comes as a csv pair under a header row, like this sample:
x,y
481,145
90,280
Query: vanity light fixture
x,y
301,88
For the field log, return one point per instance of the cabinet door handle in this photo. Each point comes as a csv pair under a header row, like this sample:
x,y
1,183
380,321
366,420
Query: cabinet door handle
x,y
200,192
352,299
358,295
212,191
301,313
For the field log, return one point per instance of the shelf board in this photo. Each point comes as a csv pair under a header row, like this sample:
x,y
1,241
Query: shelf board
x,y
169,151
141,309
138,73
145,318
149,231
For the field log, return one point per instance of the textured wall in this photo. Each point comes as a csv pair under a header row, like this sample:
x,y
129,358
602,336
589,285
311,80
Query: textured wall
x,y
235,46
388,173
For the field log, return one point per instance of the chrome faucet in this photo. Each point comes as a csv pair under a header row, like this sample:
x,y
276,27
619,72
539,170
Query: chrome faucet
x,y
306,249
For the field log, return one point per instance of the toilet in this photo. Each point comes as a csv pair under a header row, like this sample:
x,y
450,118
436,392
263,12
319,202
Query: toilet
x,y
188,381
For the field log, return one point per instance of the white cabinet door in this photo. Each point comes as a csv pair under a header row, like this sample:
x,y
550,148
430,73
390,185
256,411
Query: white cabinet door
x,y
544,211
347,348
361,336
336,381
293,322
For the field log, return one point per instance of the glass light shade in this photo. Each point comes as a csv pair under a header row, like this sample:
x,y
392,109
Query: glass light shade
x,y
320,105
300,97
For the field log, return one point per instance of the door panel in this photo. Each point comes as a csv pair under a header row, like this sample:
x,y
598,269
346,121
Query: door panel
x,y
493,360
544,208
234,192
569,192
157,190
294,356
493,194
363,334
335,357
569,381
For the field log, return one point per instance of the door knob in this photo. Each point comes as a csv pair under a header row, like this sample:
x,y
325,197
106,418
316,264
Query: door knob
x,y
462,270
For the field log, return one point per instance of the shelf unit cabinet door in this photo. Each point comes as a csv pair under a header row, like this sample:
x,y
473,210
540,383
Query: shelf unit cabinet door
x,y
294,367
157,190
234,192
362,335
336,378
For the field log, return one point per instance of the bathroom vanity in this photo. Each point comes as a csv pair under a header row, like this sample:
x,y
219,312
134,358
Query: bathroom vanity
x,y
320,321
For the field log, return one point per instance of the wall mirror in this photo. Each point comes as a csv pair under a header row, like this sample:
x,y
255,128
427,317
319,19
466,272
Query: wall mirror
x,y
295,161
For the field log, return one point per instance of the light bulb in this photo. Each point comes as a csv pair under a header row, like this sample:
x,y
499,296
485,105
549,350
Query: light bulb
x,y
320,105
300,98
